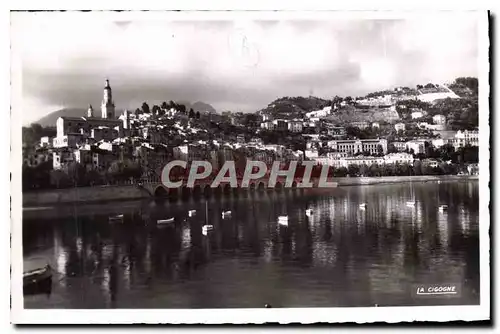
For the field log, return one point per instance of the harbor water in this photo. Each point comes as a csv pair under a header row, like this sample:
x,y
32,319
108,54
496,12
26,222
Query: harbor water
x,y
338,255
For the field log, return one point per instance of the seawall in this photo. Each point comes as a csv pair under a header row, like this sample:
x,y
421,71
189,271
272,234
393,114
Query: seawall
x,y
83,194
356,181
131,192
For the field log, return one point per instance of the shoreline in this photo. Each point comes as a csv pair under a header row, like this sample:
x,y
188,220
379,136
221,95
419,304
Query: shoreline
x,y
48,199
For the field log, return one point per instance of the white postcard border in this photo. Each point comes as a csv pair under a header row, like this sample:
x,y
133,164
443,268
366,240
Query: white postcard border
x,y
293,315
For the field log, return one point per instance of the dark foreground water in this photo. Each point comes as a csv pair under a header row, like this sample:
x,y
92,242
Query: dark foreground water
x,y
341,256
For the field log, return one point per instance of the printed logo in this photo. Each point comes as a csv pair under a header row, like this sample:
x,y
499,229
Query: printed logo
x,y
426,290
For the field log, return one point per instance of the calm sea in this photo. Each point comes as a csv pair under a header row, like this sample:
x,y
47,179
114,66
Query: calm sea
x,y
340,255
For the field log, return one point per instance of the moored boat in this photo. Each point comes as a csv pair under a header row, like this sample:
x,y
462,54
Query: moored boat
x,y
309,212
37,280
191,213
226,214
443,207
116,219
207,227
165,221
283,220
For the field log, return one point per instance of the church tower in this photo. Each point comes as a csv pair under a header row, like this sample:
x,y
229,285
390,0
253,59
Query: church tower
x,y
107,106
90,111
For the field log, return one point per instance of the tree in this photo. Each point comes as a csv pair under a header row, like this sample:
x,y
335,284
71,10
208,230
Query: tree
x,y
353,170
191,113
469,82
340,172
138,111
363,170
374,170
92,177
417,168
446,152
145,108
391,148
58,178
164,105
182,108
156,110
76,173
197,115
31,135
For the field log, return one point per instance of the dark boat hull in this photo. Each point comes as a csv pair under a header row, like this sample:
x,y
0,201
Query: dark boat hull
x,y
38,281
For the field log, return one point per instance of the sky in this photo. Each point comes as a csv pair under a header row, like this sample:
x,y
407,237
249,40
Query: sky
x,y
232,64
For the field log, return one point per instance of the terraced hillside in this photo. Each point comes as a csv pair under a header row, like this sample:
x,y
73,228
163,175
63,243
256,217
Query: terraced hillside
x,y
351,114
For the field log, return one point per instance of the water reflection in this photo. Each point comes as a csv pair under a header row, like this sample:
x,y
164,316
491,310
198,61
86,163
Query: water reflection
x,y
338,256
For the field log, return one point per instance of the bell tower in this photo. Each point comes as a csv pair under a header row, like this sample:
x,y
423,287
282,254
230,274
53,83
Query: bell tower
x,y
107,106
90,111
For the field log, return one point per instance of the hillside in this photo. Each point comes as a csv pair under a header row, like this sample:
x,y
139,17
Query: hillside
x,y
50,119
294,107
351,114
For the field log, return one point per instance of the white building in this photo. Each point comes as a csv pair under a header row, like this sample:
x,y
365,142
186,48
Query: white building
x,y
361,160
400,158
361,125
311,154
45,141
319,113
439,119
268,125
417,115
376,125
418,147
295,126
399,145
280,124
399,127
438,142
464,138
61,158
69,141
374,146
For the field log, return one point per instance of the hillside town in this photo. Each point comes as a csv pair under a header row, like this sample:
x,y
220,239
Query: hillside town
x,y
430,129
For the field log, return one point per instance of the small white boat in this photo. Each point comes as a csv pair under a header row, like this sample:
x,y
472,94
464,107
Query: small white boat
x,y
362,206
410,203
117,218
165,221
226,214
207,227
443,208
191,213
283,220
309,212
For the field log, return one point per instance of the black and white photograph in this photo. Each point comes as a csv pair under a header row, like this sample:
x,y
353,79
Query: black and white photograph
x,y
249,167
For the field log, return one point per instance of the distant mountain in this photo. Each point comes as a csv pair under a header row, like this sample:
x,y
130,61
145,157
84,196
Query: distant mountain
x,y
202,107
198,106
50,119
